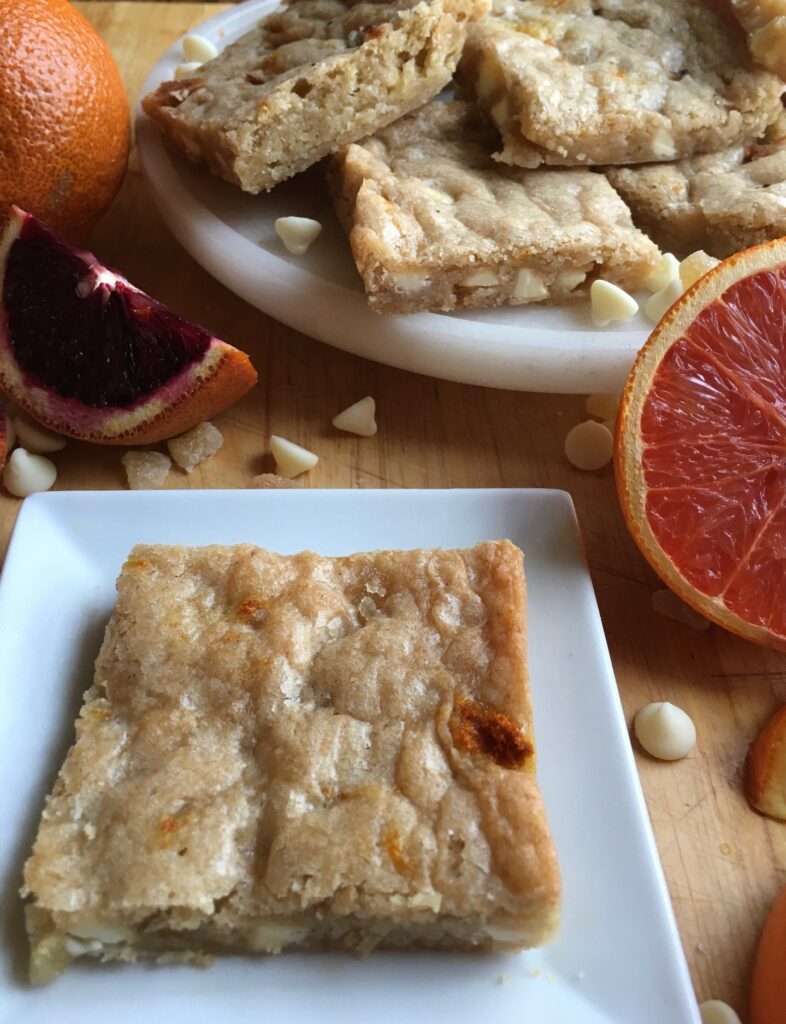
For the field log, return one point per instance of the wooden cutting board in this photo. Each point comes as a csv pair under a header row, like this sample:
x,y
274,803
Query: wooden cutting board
x,y
724,864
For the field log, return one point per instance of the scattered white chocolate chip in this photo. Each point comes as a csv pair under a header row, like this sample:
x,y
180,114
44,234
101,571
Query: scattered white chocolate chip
x,y
291,459
146,470
665,731
297,233
714,1011
25,473
271,481
695,266
35,438
358,418
609,303
195,446
480,279
198,49
657,304
589,445
603,406
665,602
665,270
187,69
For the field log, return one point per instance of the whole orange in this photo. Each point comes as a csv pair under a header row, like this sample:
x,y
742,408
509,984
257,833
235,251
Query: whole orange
x,y
64,116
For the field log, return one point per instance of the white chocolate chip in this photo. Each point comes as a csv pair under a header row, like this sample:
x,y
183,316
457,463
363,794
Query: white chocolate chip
x,y
198,49
76,947
610,303
187,70
656,305
665,602
25,473
695,266
665,270
35,438
589,445
603,406
146,470
291,459
663,145
413,282
529,285
714,1011
665,731
297,233
500,112
102,933
358,418
480,279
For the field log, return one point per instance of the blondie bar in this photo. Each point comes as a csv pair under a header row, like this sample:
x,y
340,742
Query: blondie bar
x,y
435,223
719,202
313,76
616,81
299,752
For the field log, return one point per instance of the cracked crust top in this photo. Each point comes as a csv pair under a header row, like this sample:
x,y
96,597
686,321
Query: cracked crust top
x,y
270,738
311,77
765,23
719,202
427,207
616,81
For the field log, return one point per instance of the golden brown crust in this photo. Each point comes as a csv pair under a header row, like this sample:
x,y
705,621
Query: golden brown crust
x,y
266,760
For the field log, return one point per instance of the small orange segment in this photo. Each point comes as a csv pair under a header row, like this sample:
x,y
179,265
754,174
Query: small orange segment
x,y
700,450
765,771
768,987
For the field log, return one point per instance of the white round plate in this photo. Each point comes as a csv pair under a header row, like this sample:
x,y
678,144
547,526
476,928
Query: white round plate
x,y
527,348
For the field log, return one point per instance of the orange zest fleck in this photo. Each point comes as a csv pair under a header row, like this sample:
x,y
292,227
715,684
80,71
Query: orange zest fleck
x,y
479,730
137,563
250,609
393,847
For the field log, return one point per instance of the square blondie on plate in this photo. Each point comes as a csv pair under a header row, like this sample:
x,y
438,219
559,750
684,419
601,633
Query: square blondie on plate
x,y
616,81
435,223
719,202
313,76
299,752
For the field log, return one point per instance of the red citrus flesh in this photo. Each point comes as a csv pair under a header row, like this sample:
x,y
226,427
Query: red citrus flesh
x,y
91,356
714,433
700,451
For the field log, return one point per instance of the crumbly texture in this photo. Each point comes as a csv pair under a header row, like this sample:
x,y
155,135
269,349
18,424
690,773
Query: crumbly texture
x,y
196,445
616,81
313,76
435,223
299,751
146,470
720,202
271,481
764,22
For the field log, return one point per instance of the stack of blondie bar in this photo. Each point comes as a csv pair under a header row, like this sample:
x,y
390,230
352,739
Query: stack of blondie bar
x,y
587,135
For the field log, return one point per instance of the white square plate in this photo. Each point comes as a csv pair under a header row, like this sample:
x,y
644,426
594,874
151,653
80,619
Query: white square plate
x,y
618,957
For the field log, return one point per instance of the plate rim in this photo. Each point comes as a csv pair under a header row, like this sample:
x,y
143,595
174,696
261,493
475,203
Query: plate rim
x,y
341,317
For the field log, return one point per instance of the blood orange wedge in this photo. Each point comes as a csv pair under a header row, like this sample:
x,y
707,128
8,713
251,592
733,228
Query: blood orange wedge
x,y
700,450
91,356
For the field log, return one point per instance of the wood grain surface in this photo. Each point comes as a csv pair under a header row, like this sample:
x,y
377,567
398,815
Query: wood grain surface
x,y
724,864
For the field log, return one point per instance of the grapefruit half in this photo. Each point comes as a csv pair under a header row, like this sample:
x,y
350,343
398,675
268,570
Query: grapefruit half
x,y
90,356
700,447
